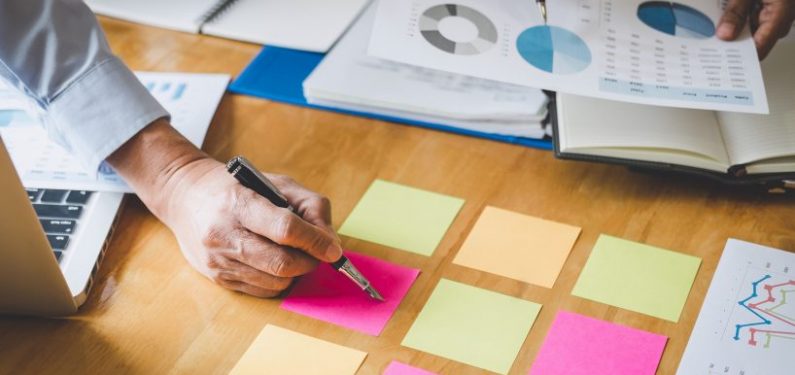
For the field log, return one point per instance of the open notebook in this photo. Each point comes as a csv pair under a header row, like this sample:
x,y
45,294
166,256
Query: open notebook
x,y
732,145
310,25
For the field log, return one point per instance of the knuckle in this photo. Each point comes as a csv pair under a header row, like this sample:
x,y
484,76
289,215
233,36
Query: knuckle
x,y
284,179
214,263
321,200
213,236
286,226
282,265
282,283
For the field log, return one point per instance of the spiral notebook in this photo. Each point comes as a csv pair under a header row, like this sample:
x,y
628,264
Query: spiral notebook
x,y
309,25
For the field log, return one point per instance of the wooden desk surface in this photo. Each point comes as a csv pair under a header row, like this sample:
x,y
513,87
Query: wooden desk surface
x,y
149,312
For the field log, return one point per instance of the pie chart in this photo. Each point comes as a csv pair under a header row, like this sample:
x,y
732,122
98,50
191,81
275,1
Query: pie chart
x,y
451,39
553,49
676,19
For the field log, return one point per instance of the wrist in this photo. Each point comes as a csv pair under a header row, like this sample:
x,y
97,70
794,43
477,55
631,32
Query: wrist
x,y
154,161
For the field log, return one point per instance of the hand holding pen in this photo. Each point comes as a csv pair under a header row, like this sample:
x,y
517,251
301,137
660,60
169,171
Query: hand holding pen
x,y
249,177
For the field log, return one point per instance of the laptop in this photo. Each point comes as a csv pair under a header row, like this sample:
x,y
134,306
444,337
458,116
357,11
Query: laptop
x,y
51,244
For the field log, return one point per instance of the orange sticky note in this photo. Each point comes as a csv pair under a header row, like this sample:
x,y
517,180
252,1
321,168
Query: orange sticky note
x,y
280,351
518,246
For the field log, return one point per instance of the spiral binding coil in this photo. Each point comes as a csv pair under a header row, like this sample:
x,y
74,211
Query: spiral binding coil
x,y
220,7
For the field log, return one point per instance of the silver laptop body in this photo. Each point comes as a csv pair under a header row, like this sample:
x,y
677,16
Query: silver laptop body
x,y
49,274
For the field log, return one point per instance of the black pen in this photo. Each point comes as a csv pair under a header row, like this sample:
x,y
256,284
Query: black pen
x,y
542,7
251,178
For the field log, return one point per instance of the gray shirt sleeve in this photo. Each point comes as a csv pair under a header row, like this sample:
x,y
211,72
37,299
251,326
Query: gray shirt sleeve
x,y
55,52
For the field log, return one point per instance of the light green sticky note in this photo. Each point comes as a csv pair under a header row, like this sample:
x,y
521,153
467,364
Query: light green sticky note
x,y
638,277
472,325
402,217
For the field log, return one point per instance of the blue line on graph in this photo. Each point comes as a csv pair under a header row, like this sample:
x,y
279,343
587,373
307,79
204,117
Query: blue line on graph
x,y
742,303
179,91
150,86
166,86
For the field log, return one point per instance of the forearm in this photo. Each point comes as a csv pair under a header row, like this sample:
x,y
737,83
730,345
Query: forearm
x,y
153,160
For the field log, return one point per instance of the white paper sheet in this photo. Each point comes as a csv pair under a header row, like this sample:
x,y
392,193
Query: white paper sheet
x,y
347,78
747,323
191,99
310,25
638,51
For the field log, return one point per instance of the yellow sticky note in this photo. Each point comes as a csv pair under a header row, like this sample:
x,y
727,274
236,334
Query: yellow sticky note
x,y
638,277
518,246
280,351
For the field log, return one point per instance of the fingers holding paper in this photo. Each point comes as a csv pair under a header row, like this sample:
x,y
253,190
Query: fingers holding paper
x,y
770,21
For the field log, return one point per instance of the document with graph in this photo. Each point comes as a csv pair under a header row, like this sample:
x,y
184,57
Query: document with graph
x,y
191,99
649,52
747,323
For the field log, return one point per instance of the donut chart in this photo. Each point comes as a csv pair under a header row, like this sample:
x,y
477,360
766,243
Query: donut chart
x,y
553,49
431,20
676,19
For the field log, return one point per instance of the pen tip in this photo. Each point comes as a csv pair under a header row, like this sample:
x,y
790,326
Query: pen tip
x,y
374,294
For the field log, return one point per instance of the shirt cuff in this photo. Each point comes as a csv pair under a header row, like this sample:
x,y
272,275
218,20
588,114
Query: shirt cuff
x,y
98,112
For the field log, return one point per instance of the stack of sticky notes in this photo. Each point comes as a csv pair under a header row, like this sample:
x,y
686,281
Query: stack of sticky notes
x,y
471,325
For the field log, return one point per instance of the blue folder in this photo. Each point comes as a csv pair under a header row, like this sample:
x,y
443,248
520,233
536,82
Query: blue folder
x,y
278,74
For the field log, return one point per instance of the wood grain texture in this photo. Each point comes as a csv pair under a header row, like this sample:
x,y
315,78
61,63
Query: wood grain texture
x,y
150,312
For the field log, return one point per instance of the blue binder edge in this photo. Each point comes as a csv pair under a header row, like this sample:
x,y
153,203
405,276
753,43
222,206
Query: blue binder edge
x,y
278,74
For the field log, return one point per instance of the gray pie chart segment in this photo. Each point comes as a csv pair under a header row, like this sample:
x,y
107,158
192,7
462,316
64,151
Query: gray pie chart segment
x,y
429,28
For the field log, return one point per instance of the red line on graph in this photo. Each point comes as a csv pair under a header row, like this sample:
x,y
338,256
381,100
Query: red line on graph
x,y
752,341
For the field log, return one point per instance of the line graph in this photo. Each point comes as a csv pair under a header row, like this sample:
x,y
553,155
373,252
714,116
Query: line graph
x,y
770,313
746,324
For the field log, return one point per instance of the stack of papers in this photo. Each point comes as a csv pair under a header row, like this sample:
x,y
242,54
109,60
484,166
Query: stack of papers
x,y
349,79
191,99
638,51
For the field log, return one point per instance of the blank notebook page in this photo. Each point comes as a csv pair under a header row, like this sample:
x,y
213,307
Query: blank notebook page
x,y
311,25
590,123
751,138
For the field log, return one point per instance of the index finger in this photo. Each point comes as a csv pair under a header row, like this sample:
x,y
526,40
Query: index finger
x,y
733,19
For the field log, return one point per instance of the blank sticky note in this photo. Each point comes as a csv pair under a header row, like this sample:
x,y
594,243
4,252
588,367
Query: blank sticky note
x,y
328,295
518,246
472,325
397,368
402,217
280,351
579,345
638,277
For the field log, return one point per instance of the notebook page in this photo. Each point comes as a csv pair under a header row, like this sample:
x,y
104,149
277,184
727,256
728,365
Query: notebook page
x,y
751,138
310,25
180,15
659,134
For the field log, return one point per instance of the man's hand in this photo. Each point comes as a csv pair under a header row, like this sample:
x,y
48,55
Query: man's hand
x,y
770,21
227,232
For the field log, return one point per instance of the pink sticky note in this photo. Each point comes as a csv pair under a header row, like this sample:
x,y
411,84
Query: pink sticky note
x,y
328,295
579,345
397,368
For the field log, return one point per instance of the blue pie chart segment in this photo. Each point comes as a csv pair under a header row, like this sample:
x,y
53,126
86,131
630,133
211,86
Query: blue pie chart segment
x,y
676,19
553,49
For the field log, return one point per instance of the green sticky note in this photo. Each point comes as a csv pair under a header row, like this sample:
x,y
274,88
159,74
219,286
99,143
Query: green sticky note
x,y
402,217
472,325
638,277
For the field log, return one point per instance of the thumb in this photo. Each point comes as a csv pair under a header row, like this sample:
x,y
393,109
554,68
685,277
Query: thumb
x,y
734,19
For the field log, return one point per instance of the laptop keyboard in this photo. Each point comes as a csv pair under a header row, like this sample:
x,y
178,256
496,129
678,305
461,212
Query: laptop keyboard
x,y
59,211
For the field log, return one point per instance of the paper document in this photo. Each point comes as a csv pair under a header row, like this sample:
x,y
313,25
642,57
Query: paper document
x,y
747,323
191,99
347,78
650,52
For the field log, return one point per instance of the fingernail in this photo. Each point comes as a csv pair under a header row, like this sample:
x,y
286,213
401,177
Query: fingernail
x,y
726,30
334,251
